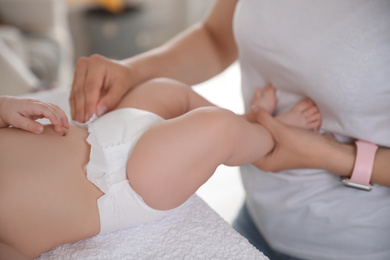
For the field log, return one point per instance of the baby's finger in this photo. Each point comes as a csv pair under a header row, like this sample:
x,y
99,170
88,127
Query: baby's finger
x,y
62,116
58,117
27,124
44,109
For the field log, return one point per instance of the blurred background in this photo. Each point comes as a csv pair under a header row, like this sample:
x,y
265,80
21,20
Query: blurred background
x,y
41,40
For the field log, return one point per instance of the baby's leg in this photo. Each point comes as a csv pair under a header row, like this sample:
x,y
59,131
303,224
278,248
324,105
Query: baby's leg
x,y
164,97
7,252
175,157
264,98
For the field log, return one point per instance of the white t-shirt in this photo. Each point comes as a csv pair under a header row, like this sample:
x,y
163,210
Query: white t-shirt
x,y
336,52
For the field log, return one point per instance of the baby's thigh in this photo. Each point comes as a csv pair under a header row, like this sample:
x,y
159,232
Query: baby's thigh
x,y
164,97
8,252
175,157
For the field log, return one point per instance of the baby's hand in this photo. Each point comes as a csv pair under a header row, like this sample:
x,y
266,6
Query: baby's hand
x,y
22,113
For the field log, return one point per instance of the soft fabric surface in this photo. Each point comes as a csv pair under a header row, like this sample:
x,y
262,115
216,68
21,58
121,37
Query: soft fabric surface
x,y
193,231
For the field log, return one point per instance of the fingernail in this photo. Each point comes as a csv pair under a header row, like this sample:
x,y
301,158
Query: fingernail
x,y
86,117
101,110
39,129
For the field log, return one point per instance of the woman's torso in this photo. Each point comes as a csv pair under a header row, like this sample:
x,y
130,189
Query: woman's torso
x,y
44,191
338,54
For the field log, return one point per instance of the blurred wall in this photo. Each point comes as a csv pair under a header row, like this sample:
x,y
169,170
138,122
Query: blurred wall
x,y
36,50
149,24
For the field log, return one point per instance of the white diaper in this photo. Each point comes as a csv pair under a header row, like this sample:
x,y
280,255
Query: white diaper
x,y
112,138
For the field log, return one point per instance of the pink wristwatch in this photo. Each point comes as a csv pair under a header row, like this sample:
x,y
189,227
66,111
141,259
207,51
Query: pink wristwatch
x,y
364,164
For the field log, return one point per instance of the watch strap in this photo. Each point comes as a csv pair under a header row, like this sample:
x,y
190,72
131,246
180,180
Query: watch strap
x,y
364,164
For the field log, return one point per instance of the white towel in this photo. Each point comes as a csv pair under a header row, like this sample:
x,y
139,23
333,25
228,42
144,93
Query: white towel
x,y
193,231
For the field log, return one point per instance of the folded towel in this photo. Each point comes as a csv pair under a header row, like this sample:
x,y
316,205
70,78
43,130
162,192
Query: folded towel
x,y
193,231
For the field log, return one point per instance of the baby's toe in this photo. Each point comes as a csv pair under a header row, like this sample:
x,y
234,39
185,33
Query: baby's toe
x,y
314,121
311,110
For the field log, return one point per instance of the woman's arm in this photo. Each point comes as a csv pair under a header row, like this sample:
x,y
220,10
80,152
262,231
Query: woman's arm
x,y
296,148
197,54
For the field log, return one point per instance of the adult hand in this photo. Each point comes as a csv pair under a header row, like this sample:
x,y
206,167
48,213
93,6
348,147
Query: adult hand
x,y
22,113
98,86
295,148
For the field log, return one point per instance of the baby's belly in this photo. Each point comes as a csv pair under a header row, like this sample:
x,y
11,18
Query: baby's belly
x,y
45,197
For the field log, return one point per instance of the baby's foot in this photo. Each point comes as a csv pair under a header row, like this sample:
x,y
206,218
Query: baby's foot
x,y
265,99
304,115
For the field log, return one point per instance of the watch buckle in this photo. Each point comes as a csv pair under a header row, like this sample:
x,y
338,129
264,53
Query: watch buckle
x,y
347,182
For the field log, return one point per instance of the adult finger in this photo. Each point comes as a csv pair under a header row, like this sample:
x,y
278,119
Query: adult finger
x,y
93,84
72,103
110,99
77,98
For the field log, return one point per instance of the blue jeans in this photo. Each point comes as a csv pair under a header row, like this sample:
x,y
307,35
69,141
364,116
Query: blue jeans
x,y
244,225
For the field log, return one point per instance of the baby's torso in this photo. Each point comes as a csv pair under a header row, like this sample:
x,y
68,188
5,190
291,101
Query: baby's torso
x,y
43,176
71,186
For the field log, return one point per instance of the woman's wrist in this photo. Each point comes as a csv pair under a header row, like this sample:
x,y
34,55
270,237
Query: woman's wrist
x,y
143,67
342,162
338,158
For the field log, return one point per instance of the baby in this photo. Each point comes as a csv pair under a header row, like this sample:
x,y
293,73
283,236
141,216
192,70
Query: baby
x,y
132,165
